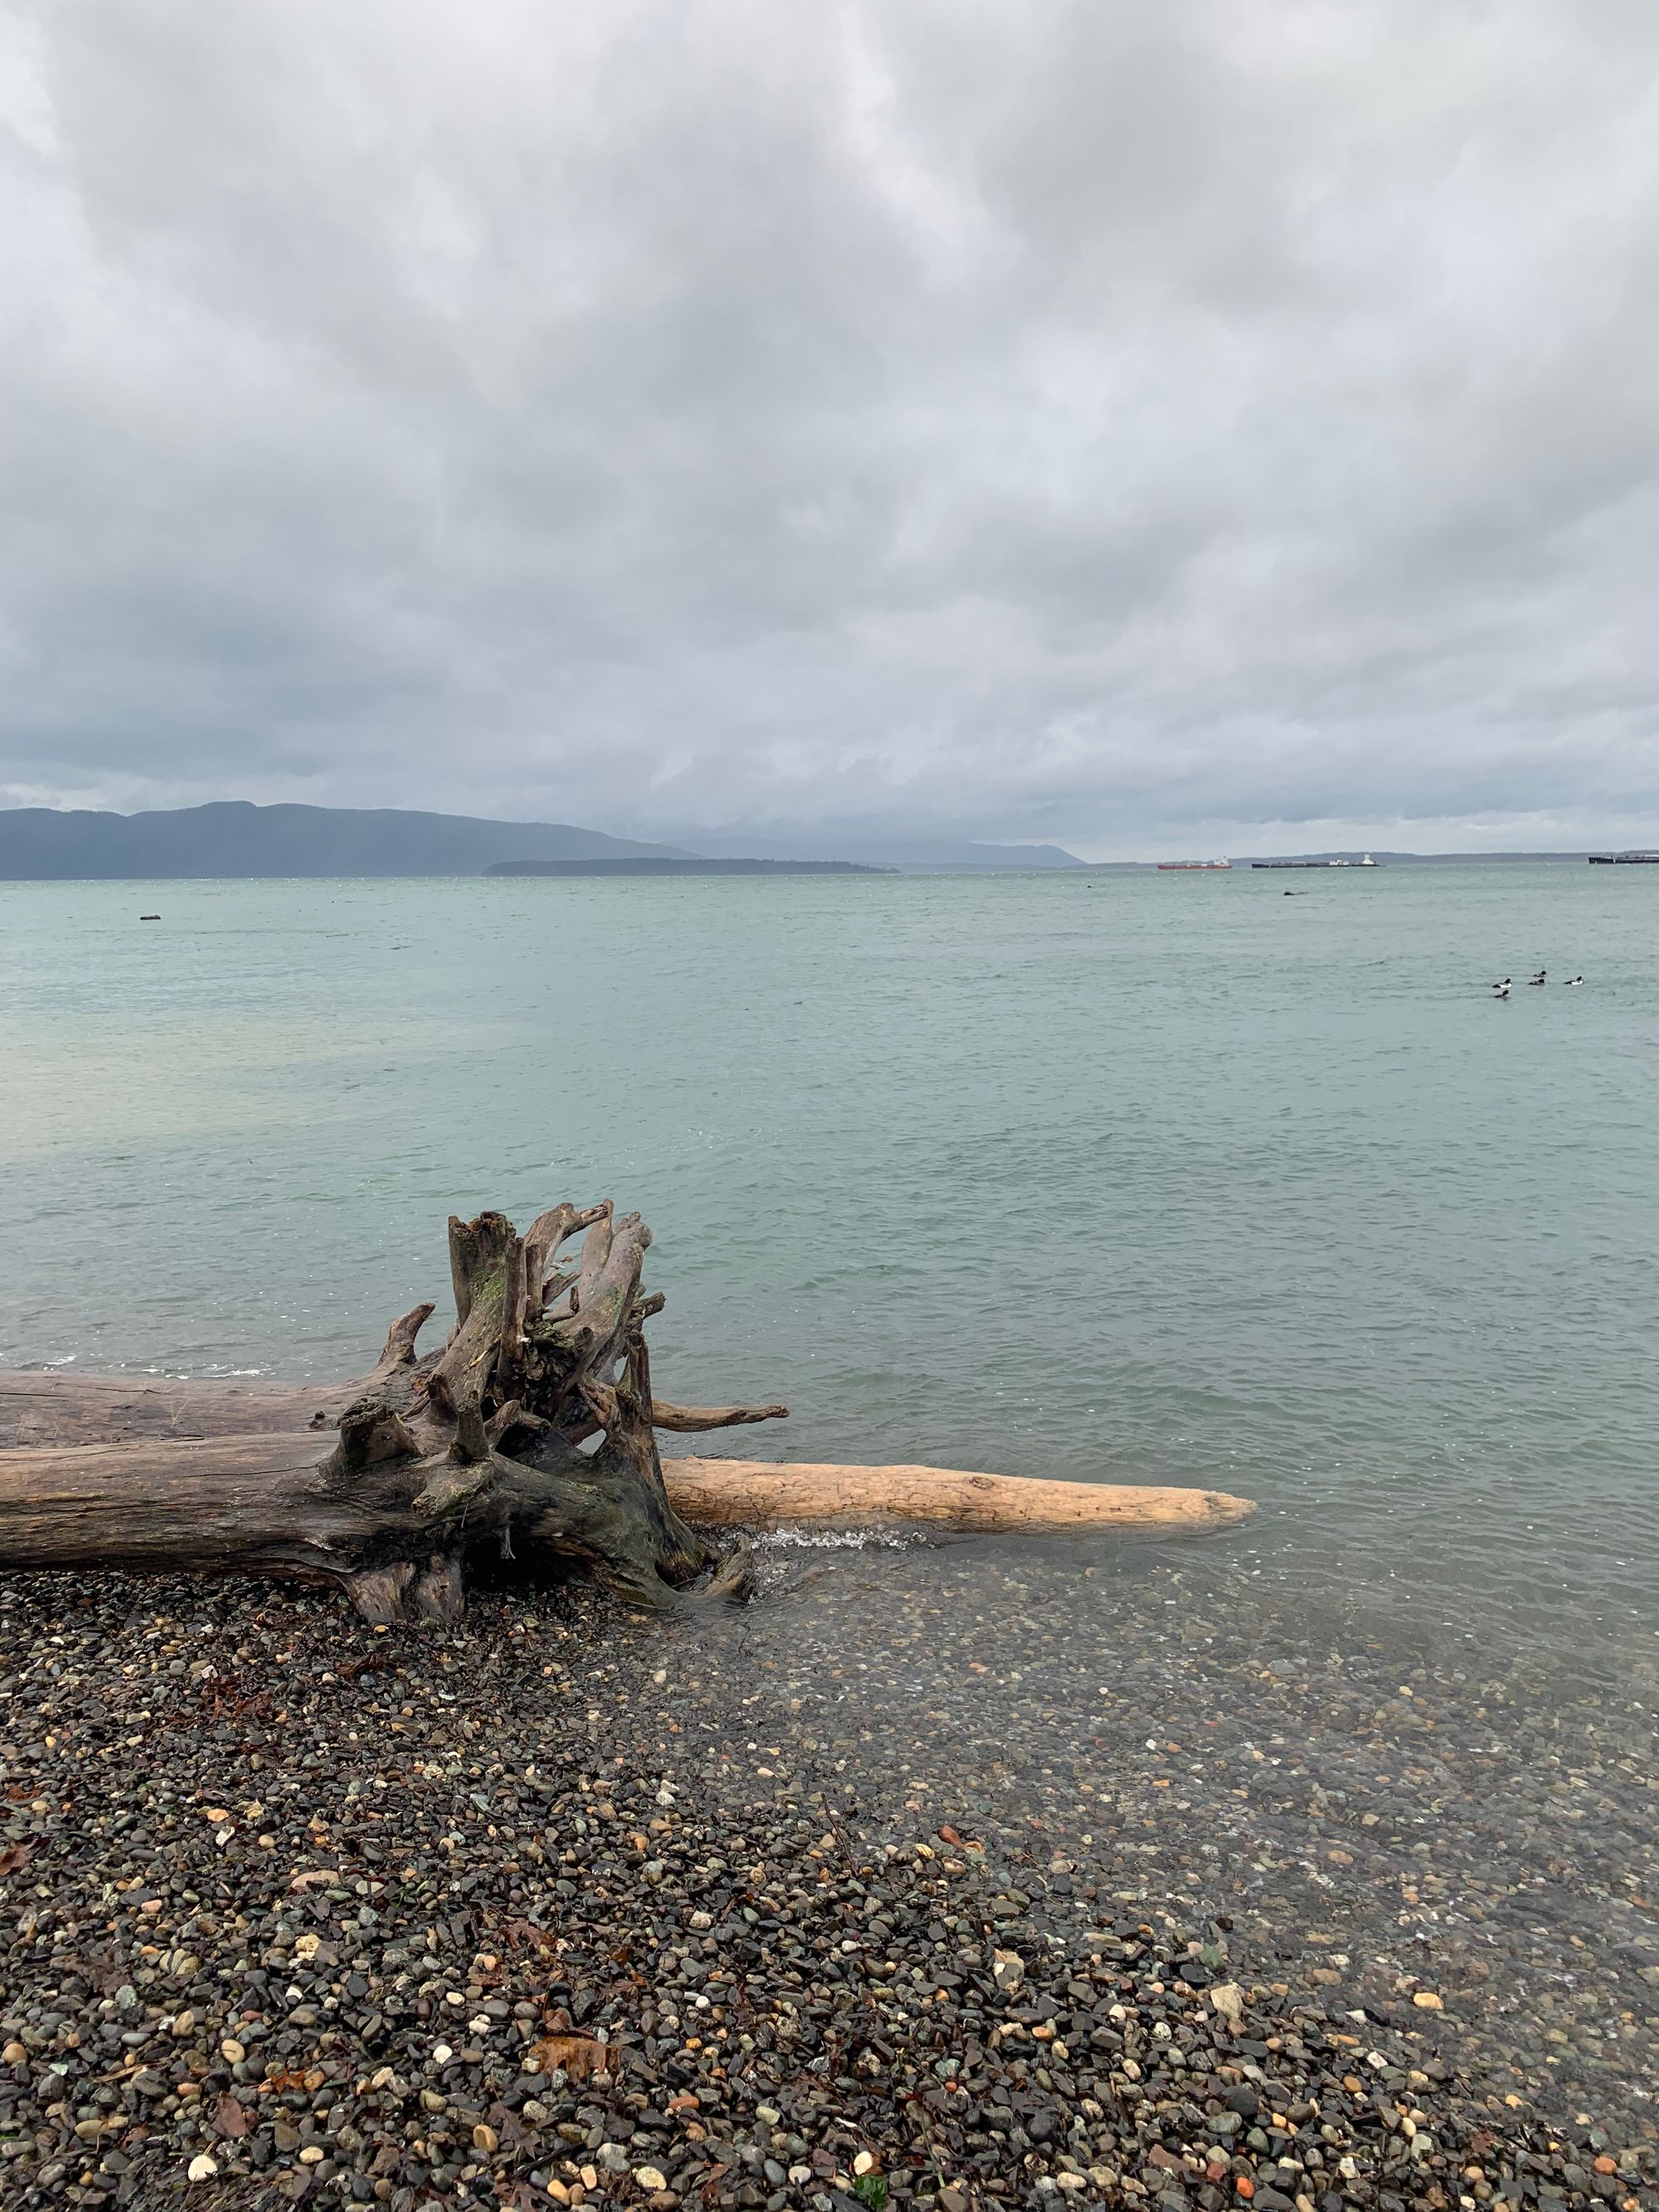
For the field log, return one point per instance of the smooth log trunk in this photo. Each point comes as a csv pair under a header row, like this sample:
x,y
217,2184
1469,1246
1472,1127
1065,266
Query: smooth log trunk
x,y
739,1493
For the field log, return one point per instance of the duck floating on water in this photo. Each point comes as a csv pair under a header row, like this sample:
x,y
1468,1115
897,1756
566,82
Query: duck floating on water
x,y
1501,990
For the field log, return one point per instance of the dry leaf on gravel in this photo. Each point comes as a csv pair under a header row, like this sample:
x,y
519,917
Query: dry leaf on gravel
x,y
579,2055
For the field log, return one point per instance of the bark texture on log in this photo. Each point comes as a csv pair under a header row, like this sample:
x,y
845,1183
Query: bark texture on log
x,y
530,1435
59,1407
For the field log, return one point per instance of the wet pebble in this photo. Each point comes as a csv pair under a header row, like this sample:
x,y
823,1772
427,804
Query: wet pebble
x,y
561,1907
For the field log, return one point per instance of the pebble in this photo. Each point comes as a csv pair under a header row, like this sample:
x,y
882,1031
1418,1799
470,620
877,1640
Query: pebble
x,y
954,1944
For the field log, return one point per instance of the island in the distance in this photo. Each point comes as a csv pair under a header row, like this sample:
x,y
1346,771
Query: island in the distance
x,y
685,868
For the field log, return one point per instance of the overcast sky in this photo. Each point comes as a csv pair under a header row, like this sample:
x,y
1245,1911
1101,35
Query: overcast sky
x,y
1183,427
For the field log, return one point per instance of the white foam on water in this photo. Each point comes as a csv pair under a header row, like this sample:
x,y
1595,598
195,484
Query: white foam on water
x,y
835,1539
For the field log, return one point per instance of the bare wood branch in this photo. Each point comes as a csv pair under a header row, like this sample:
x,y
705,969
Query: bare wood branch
x,y
479,1252
400,1338
596,1250
512,1343
692,1421
547,1231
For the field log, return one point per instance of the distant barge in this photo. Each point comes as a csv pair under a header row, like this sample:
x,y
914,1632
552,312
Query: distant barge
x,y
1190,867
1623,860
1367,862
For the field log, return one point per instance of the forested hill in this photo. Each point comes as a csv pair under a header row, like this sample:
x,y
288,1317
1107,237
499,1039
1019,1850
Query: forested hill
x,y
233,838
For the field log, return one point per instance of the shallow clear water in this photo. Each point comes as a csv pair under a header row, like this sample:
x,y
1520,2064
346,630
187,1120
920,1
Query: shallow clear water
x,y
1167,1179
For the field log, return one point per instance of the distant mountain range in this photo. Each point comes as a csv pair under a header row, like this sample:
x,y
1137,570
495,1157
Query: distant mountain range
x,y
848,841
232,837
688,867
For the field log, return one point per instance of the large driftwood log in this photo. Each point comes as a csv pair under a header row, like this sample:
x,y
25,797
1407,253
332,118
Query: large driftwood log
x,y
739,1493
530,1435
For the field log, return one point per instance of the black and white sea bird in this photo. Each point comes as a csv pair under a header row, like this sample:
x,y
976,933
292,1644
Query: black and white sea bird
x,y
1539,978
1501,990
1573,982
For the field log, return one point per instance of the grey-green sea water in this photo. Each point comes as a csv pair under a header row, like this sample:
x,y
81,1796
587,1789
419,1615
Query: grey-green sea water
x,y
1168,1179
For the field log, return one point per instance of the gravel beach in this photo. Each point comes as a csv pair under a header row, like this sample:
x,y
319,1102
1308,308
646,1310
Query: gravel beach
x,y
944,1875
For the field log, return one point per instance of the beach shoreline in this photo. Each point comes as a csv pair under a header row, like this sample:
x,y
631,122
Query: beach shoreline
x,y
704,1844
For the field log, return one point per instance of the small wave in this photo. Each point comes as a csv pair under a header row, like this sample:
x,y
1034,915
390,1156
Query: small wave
x,y
836,1540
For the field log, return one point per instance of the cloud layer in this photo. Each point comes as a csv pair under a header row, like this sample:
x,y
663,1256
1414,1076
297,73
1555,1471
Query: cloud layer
x,y
1233,422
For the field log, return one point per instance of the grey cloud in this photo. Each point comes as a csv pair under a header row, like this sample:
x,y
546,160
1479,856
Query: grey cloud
x,y
1059,421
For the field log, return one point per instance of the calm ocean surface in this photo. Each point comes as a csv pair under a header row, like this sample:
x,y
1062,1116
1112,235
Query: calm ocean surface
x,y
1143,1178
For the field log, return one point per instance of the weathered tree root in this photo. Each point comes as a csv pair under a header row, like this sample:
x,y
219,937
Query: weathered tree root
x,y
531,1436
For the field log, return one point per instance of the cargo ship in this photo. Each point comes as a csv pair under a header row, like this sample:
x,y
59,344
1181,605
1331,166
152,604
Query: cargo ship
x,y
1190,867
1623,860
